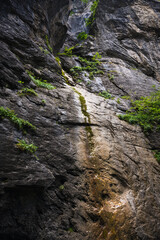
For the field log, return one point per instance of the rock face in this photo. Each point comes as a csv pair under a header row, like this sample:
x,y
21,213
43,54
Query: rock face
x,y
93,176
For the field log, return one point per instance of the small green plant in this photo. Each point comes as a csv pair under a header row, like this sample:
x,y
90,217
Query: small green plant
x,y
79,80
82,36
96,56
89,65
118,101
19,122
126,97
91,19
24,146
41,83
20,82
61,187
110,76
48,44
70,230
44,50
43,102
145,112
157,155
67,51
105,94
27,91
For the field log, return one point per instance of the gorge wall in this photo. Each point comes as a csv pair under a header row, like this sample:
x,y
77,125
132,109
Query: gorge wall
x,y
93,176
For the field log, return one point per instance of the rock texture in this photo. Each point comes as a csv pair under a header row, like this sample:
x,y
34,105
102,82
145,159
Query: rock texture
x,y
93,176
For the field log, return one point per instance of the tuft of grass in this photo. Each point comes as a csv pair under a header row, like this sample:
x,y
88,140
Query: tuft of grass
x,y
19,122
24,146
145,112
41,83
27,91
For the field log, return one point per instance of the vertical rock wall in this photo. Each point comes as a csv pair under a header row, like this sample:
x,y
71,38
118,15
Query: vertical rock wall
x,y
93,176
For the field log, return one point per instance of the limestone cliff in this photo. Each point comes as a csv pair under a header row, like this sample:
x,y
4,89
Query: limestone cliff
x,y
93,176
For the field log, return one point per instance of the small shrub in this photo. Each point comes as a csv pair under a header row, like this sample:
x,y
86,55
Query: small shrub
x,y
40,82
19,122
145,112
24,146
27,91
82,36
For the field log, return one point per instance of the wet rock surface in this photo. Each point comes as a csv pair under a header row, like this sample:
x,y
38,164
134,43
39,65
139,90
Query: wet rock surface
x,y
93,176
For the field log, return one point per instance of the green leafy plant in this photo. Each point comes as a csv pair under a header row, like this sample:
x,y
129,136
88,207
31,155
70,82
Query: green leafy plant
x,y
157,155
118,101
105,94
110,76
27,91
20,82
89,65
145,112
96,56
91,19
19,122
48,44
40,82
24,146
67,51
82,36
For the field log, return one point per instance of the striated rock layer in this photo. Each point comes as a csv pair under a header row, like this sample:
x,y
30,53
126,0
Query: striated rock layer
x,y
93,176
